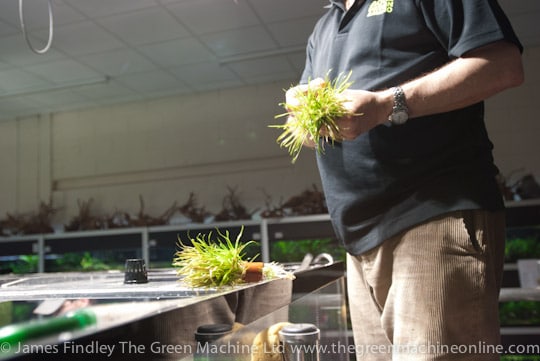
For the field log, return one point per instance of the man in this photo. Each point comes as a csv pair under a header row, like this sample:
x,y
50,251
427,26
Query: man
x,y
411,189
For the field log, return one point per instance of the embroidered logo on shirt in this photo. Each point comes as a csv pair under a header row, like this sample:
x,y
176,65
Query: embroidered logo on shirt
x,y
379,7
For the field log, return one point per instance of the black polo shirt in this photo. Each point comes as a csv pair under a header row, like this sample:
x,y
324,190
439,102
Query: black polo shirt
x,y
395,177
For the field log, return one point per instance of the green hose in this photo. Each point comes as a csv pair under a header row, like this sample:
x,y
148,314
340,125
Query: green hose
x,y
23,332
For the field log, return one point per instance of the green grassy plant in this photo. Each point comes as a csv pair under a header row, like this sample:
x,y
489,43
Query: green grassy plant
x,y
314,116
211,262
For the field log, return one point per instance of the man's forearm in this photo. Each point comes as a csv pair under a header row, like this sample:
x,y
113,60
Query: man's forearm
x,y
474,77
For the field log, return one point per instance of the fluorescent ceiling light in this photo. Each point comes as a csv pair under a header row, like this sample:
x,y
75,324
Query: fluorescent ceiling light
x,y
64,86
261,55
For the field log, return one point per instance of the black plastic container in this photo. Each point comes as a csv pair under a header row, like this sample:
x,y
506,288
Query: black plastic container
x,y
135,271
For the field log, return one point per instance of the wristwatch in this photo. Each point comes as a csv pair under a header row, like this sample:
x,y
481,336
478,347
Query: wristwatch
x,y
400,112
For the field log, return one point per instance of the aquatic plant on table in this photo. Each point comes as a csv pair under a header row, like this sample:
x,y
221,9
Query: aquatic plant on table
x,y
214,260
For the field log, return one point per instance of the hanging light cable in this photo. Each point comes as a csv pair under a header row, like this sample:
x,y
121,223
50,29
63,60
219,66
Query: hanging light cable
x,y
25,34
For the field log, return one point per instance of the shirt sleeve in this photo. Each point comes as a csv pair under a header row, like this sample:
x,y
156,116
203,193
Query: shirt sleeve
x,y
464,25
307,73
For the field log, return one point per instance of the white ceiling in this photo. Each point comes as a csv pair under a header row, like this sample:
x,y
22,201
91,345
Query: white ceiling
x,y
112,51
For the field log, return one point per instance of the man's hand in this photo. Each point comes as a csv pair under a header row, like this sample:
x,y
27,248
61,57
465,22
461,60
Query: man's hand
x,y
291,96
292,99
367,110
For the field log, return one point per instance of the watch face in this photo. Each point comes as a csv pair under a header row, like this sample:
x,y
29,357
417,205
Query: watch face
x,y
399,117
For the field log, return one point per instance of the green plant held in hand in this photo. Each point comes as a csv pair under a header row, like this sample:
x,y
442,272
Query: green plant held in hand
x,y
212,262
314,116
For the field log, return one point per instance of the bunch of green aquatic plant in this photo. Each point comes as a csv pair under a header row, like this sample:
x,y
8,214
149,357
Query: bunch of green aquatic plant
x,y
313,115
212,262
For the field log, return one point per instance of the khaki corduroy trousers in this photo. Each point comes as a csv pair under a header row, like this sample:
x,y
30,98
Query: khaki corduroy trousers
x,y
430,293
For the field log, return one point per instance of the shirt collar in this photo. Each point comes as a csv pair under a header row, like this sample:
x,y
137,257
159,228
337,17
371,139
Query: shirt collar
x,y
339,3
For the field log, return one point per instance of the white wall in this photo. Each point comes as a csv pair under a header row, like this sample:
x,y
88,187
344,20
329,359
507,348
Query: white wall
x,y
167,148
514,124
163,150
25,164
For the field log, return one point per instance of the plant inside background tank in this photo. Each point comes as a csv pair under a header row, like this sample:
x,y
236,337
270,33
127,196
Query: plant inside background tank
x,y
285,251
26,263
522,248
519,313
520,358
